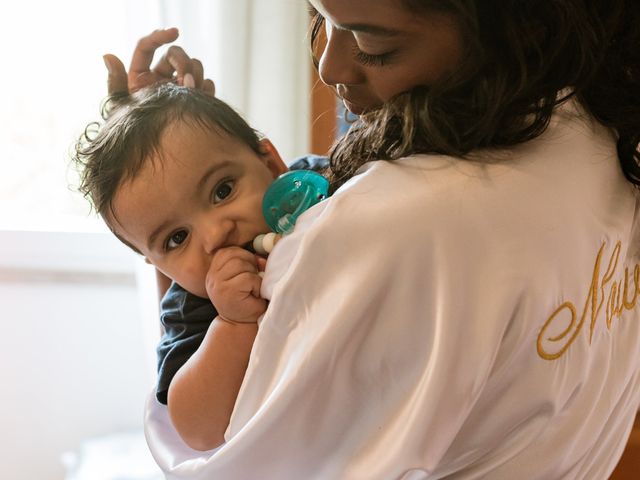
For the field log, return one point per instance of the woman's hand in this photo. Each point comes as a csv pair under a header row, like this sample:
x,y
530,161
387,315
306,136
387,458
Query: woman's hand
x,y
233,284
174,66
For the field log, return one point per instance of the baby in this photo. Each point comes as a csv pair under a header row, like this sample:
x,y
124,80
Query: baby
x,y
179,177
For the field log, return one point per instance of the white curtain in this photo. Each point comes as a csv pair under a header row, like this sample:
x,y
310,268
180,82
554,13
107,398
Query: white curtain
x,y
257,53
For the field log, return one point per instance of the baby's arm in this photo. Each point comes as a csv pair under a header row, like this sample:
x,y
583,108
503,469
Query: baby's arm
x,y
203,392
185,319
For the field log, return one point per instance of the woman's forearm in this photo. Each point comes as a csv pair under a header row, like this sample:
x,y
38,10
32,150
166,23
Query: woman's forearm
x,y
203,392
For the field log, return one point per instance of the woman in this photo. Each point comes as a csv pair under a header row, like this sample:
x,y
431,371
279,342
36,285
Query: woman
x,y
467,307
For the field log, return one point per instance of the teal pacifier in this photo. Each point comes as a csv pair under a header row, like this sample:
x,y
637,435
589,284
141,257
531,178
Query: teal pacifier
x,y
290,195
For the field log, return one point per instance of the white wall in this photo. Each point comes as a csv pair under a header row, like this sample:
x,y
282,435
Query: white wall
x,y
257,52
74,362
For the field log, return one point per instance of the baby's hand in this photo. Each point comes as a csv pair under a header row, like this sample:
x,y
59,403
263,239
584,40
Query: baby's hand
x,y
233,285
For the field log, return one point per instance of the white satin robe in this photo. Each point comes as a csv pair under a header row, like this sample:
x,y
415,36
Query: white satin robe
x,y
443,318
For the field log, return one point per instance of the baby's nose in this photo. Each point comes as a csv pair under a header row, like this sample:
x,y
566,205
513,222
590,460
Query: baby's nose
x,y
217,234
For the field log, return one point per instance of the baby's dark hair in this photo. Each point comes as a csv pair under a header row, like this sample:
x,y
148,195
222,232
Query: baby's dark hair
x,y
522,59
113,151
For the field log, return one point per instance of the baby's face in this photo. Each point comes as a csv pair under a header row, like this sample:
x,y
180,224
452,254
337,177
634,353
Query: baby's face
x,y
201,192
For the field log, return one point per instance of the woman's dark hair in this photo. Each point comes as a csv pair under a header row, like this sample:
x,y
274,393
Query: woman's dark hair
x,y
522,58
115,150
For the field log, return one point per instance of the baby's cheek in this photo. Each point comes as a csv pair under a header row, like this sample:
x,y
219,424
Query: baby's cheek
x,y
193,280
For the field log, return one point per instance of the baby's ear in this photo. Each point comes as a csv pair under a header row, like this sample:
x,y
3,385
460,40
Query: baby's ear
x,y
272,158
147,261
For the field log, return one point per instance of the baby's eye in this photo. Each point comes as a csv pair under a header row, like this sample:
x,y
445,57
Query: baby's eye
x,y
222,190
175,240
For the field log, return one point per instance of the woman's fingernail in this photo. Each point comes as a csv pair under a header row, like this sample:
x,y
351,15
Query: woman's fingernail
x,y
188,81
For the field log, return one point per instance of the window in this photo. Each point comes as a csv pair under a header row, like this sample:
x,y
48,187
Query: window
x,y
52,84
54,81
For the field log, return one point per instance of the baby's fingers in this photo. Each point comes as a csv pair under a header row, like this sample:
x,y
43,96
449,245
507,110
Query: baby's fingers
x,y
248,283
239,298
253,303
261,263
230,259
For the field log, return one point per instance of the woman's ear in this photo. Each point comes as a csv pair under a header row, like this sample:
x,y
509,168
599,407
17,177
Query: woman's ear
x,y
272,159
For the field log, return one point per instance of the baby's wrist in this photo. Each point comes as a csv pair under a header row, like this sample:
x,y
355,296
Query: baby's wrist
x,y
237,321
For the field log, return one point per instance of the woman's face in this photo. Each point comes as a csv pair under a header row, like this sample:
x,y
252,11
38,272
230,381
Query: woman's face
x,y
377,49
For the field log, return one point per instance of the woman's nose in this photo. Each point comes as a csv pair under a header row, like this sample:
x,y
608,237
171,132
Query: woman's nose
x,y
337,63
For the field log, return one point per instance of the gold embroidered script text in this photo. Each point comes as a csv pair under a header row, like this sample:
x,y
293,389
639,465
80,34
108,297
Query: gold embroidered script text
x,y
620,294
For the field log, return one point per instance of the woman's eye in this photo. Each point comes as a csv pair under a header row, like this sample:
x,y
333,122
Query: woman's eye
x,y
370,60
175,240
222,190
